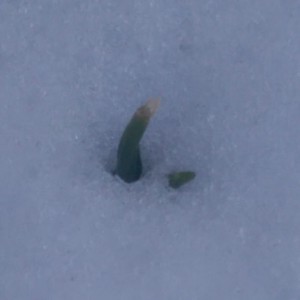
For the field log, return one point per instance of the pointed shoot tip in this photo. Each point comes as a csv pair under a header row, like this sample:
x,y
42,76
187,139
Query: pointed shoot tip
x,y
148,109
152,105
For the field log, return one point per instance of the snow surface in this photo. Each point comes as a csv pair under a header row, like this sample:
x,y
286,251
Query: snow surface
x,y
72,72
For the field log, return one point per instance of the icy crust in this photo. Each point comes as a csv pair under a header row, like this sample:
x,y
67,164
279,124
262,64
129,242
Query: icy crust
x,y
228,75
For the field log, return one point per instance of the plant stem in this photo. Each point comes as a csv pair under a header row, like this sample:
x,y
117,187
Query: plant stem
x,y
129,164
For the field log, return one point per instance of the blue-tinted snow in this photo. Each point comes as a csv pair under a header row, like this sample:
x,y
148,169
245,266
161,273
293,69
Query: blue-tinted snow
x,y
71,75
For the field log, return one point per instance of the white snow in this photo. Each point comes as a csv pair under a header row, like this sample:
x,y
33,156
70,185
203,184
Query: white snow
x,y
228,75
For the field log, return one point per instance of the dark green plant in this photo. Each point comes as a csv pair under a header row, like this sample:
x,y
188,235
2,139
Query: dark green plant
x,y
129,163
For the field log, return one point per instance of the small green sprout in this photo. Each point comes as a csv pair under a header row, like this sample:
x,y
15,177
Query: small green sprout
x,y
129,164
177,179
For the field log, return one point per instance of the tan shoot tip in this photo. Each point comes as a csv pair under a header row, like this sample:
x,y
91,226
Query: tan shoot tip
x,y
149,108
152,105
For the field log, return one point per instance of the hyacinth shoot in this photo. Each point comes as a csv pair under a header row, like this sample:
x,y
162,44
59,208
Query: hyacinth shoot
x,y
129,163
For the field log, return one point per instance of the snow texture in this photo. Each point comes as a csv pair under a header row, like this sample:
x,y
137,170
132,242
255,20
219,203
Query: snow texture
x,y
72,72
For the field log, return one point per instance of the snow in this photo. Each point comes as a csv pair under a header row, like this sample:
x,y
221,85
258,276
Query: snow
x,y
71,75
